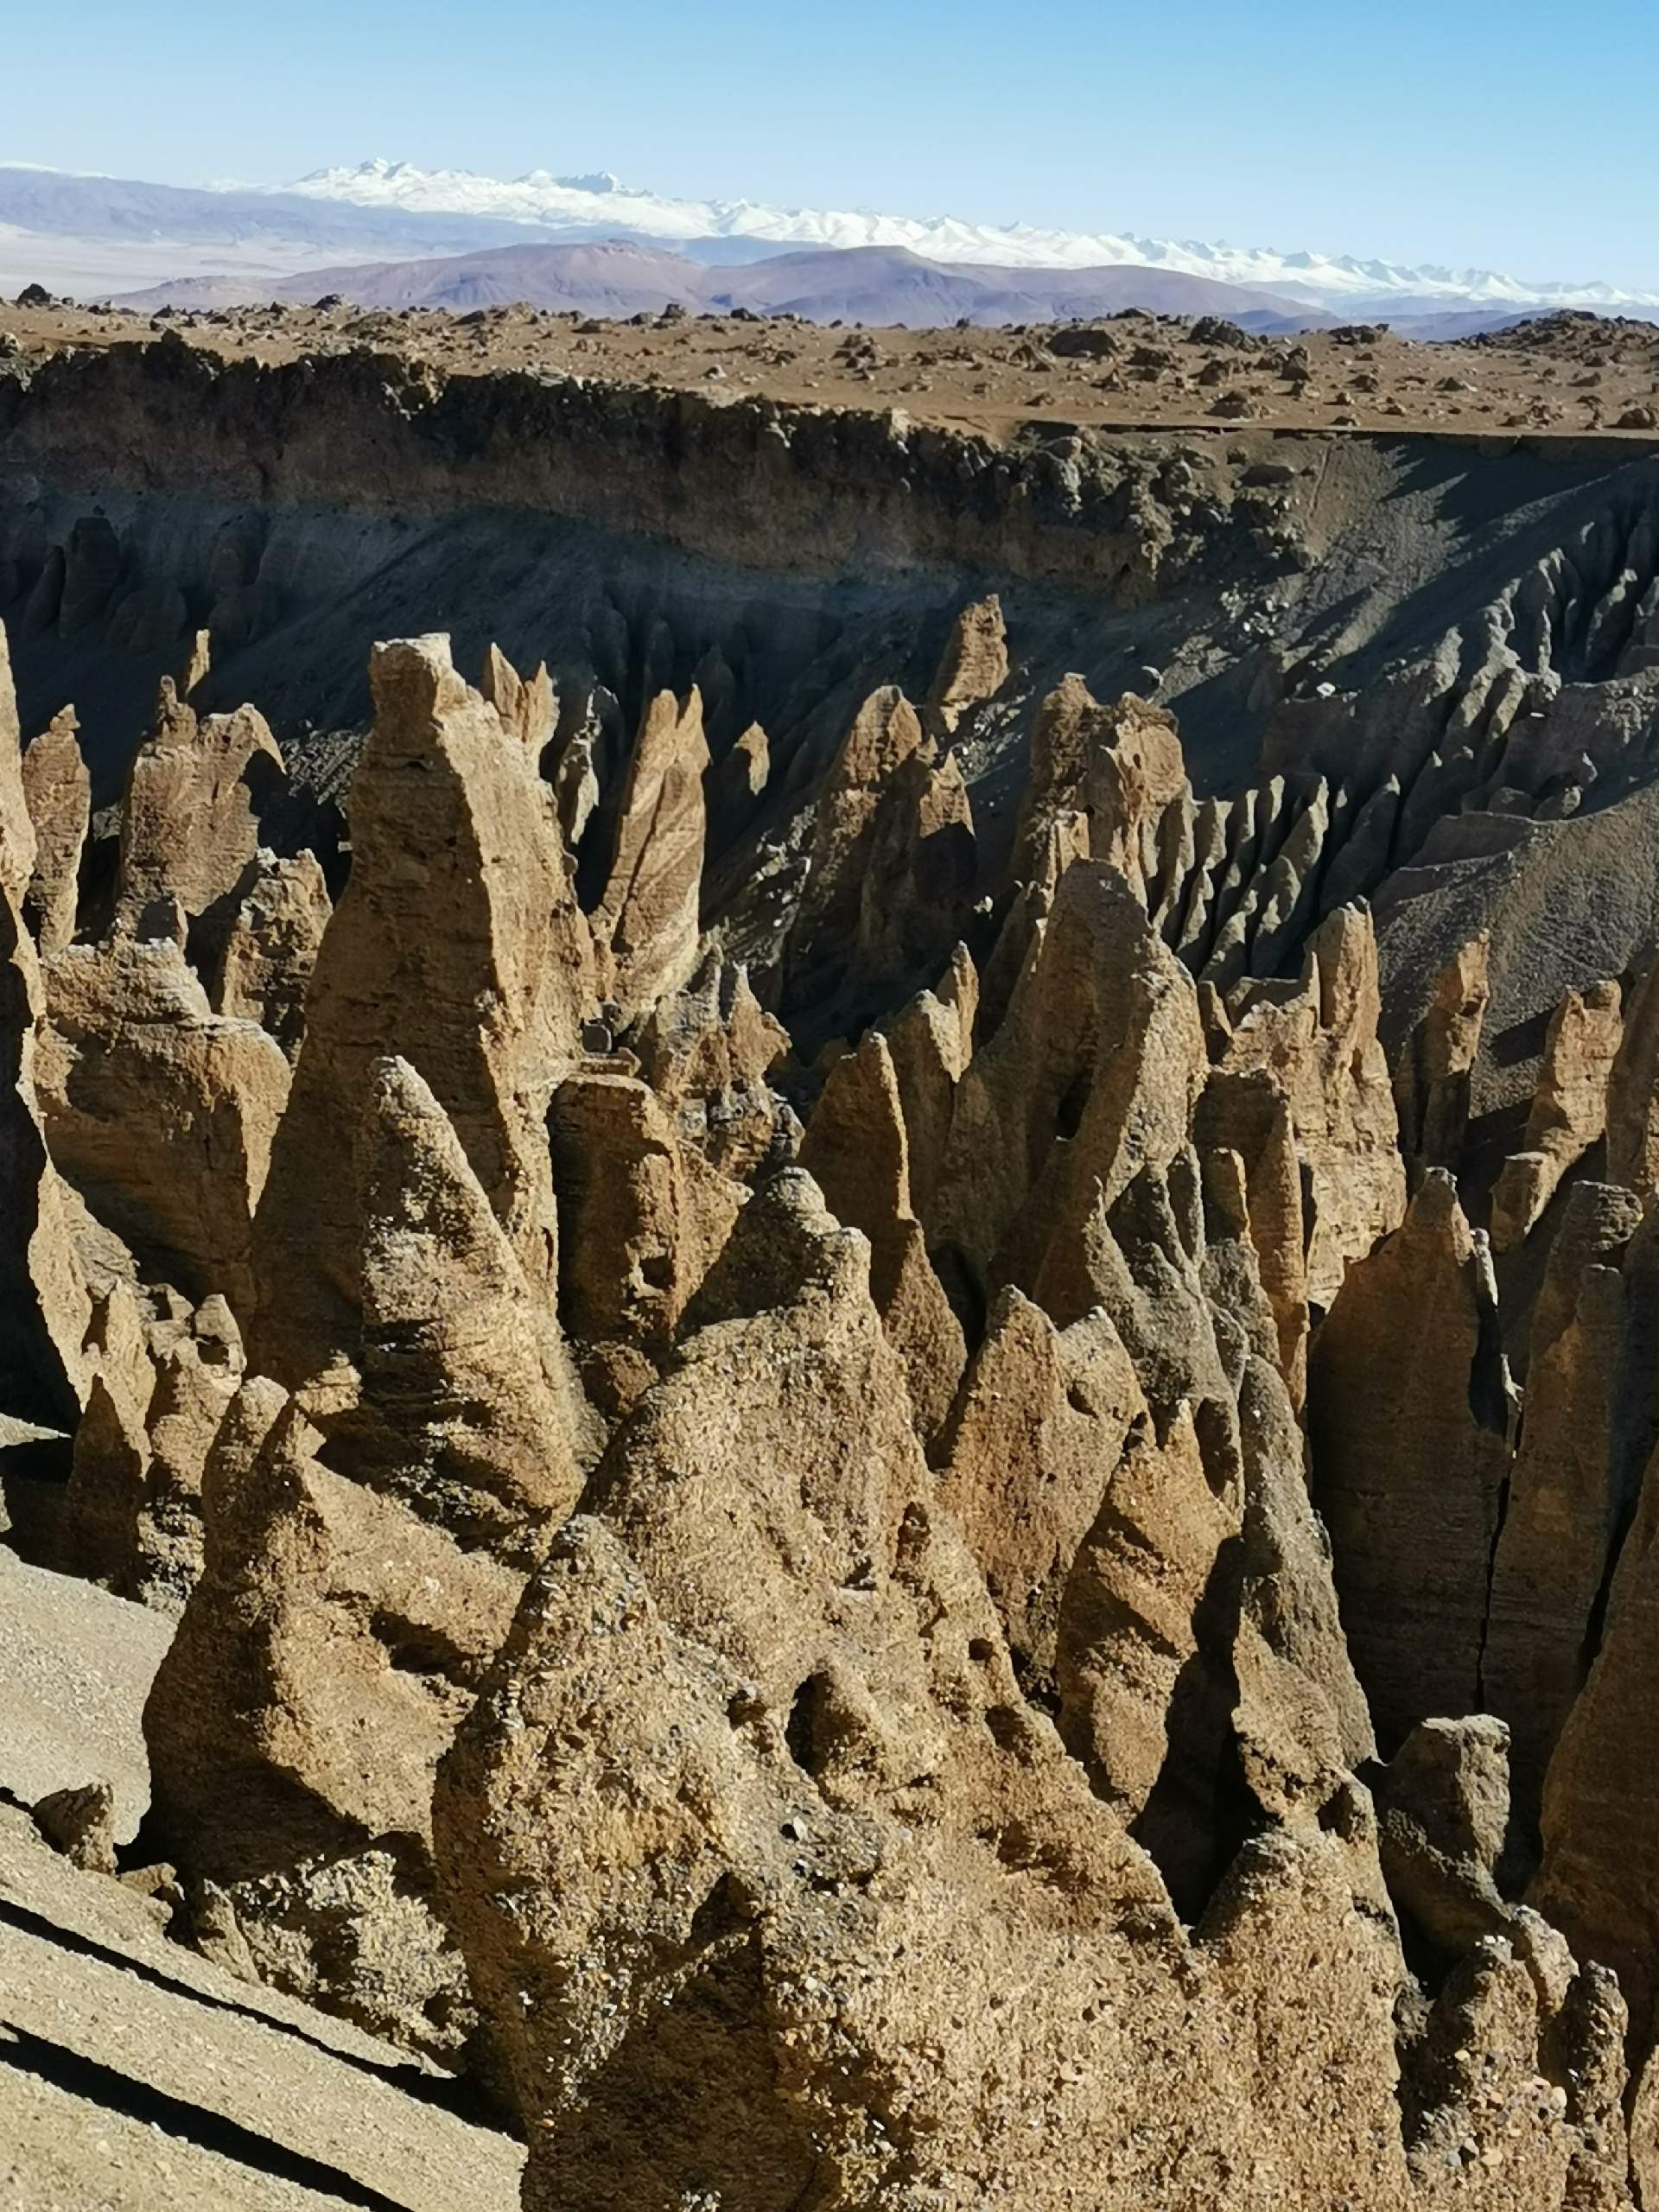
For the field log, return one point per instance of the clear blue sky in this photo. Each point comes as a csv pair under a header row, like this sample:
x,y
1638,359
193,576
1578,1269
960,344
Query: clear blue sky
x,y
1521,136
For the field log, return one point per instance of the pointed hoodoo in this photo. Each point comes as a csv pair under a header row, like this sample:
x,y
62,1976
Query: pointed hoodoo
x,y
646,929
1103,779
709,1052
973,667
189,816
458,944
530,710
1565,1509
919,875
1568,1112
1040,1428
44,1304
17,840
358,1572
855,1149
1600,1879
296,1722
1432,1083
58,789
1092,1076
1318,1041
643,1216
270,951
931,1041
457,1415
884,735
162,1114
1633,1091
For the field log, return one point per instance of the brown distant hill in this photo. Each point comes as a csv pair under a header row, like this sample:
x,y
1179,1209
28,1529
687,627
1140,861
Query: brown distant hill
x,y
885,285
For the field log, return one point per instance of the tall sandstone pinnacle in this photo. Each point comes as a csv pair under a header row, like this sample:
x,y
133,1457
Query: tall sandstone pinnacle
x,y
45,1308
1600,1879
456,1415
643,1215
885,736
1568,1112
163,1113
1092,1076
1319,1041
973,667
646,931
189,827
1432,1083
59,791
458,944
856,1149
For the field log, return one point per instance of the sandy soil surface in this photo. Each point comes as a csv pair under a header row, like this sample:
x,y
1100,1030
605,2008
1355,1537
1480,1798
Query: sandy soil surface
x,y
1563,374
135,2073
76,1668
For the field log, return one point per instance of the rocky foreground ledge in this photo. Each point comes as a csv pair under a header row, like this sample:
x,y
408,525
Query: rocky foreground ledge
x,y
895,1514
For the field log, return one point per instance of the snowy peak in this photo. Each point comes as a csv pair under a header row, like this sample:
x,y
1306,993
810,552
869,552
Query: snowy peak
x,y
569,207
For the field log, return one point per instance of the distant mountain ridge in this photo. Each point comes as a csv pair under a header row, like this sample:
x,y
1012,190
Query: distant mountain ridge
x,y
881,285
96,237
602,203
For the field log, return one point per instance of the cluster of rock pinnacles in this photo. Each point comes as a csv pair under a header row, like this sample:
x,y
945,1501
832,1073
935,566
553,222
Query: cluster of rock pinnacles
x,y
803,1648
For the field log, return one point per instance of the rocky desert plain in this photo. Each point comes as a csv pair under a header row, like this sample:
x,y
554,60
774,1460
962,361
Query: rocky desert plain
x,y
830,1354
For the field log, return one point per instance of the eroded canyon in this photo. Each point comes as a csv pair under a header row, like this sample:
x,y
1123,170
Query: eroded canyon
x,y
836,1235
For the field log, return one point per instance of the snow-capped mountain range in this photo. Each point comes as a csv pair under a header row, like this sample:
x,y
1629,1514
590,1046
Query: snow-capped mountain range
x,y
100,237
576,206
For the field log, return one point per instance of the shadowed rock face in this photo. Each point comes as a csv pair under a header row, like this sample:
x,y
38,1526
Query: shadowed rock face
x,y
1410,1475
874,1544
